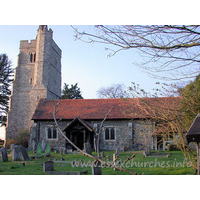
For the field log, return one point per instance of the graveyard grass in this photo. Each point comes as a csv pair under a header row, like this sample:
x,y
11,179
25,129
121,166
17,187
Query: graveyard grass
x,y
173,165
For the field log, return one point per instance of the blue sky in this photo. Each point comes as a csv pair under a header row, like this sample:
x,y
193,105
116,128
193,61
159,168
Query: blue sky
x,y
82,63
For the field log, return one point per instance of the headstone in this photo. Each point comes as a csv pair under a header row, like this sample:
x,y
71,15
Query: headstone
x,y
148,150
102,154
34,147
16,153
48,166
123,149
61,151
114,160
24,153
144,154
12,146
87,148
43,145
39,150
96,168
117,151
4,155
47,150
64,150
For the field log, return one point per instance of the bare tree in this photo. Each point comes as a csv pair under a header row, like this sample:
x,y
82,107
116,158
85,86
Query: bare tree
x,y
86,154
113,91
169,51
170,118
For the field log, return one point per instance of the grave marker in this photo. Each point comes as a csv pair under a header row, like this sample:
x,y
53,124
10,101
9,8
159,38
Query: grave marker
x,y
87,148
16,153
39,150
48,166
4,155
43,145
96,168
24,153
47,150
117,151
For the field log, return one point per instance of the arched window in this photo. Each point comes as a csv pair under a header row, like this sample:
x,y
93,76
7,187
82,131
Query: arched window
x,y
31,57
49,132
110,133
54,133
112,130
34,59
107,134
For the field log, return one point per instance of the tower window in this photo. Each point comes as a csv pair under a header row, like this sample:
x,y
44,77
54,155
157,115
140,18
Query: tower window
x,y
32,57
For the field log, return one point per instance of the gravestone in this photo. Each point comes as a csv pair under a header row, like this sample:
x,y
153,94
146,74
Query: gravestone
x,y
65,150
87,148
117,151
148,150
43,145
123,149
47,150
144,154
12,146
102,154
48,166
16,153
114,160
34,147
61,151
96,168
39,150
4,155
24,153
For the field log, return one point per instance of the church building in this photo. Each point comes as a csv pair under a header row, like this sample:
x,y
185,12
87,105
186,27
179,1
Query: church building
x,y
37,87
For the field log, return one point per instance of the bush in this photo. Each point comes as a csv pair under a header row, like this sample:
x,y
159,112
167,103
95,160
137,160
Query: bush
x,y
21,138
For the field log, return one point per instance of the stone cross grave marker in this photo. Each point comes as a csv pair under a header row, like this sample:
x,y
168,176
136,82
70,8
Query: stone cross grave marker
x,y
87,148
4,155
39,150
47,150
24,153
43,145
16,153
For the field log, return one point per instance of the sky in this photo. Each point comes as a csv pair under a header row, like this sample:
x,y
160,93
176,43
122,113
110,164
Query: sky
x,y
82,63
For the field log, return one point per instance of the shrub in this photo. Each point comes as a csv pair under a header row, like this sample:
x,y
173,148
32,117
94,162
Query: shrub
x,y
20,138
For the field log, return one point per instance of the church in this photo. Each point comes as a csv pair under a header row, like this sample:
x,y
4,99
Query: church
x,y
37,87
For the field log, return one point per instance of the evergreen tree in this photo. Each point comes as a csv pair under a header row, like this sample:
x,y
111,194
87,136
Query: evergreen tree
x,y
71,93
6,78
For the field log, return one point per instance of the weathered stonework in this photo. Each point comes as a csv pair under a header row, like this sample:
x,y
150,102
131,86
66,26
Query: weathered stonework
x,y
38,75
127,134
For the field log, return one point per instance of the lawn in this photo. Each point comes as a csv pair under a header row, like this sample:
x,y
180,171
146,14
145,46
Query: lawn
x,y
151,165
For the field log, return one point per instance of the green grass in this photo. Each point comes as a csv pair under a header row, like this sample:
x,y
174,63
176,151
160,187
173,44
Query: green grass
x,y
140,165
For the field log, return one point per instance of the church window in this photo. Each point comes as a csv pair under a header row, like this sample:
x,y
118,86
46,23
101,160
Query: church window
x,y
51,132
107,134
110,133
32,57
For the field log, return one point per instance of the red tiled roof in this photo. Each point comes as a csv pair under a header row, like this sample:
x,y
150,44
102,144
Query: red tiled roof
x,y
95,109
